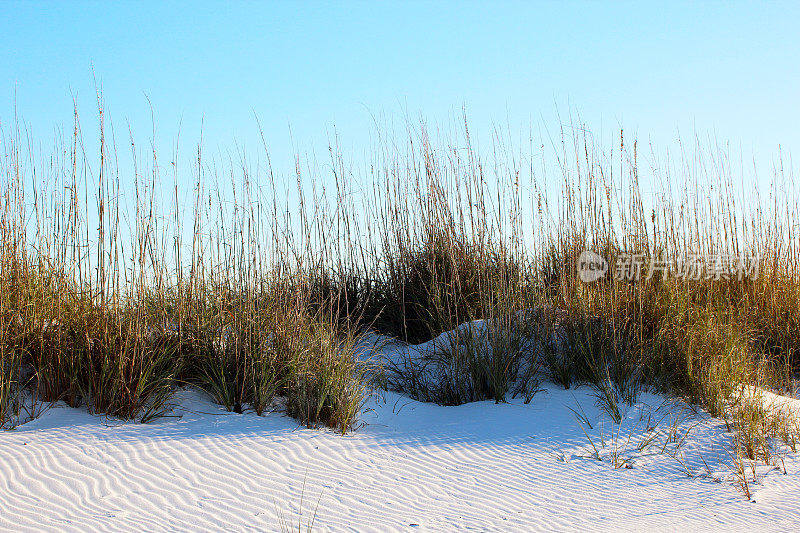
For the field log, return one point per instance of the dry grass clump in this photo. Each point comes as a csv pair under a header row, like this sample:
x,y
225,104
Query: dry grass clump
x,y
481,360
81,352
447,281
474,294
258,347
124,359
113,316
326,383
10,378
225,336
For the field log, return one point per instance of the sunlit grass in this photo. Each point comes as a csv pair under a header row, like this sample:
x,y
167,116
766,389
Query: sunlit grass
x,y
111,303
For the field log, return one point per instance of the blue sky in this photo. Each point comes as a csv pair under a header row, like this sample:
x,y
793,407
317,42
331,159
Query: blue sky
x,y
726,68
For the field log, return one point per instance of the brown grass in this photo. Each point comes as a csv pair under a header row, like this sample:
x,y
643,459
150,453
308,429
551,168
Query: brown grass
x,y
112,300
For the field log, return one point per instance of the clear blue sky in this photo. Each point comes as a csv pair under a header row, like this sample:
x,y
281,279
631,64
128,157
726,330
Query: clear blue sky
x,y
729,68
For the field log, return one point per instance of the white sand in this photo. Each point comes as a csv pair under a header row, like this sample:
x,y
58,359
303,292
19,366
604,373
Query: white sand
x,y
412,467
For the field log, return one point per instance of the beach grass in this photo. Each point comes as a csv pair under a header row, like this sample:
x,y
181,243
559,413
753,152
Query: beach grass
x,y
111,296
